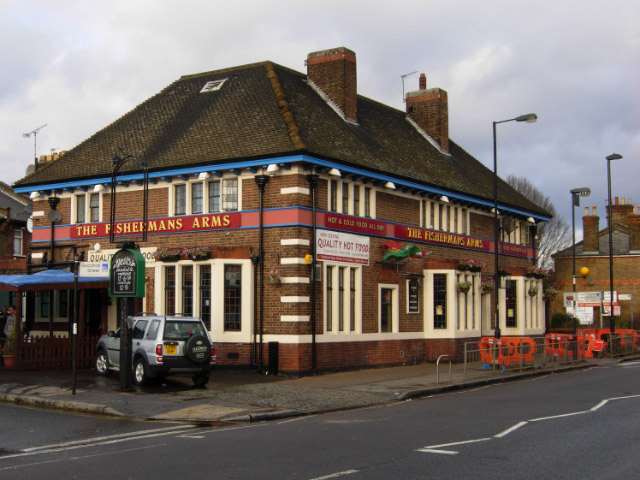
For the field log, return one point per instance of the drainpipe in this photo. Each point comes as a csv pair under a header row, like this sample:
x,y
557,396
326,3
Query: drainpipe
x,y
261,181
53,218
313,182
254,353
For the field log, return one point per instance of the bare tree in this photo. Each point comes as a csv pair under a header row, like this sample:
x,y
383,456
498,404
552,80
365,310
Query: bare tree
x,y
553,236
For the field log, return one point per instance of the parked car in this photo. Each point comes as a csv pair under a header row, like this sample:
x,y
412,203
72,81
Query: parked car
x,y
161,346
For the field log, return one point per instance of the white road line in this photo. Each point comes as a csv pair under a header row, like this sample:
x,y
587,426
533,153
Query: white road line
x,y
601,404
86,445
631,364
57,460
449,452
336,475
442,452
436,448
108,437
509,430
553,417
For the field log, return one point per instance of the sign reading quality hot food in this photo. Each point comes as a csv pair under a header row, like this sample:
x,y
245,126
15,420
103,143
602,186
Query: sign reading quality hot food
x,y
127,274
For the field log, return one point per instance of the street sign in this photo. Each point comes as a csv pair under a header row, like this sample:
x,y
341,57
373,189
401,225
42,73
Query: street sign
x,y
94,269
624,296
607,309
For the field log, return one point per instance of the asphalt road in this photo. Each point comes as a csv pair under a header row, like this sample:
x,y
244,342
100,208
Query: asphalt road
x,y
582,424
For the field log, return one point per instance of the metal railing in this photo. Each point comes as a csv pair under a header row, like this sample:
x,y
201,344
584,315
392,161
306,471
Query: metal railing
x,y
518,354
438,368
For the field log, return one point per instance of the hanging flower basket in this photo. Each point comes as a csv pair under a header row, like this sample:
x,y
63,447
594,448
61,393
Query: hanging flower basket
x,y
488,287
533,291
274,276
464,287
167,254
199,253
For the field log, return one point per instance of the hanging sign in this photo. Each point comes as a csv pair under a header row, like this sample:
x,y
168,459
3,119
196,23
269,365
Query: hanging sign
x,y
127,274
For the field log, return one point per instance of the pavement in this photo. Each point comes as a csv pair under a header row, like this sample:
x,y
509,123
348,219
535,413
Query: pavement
x,y
247,396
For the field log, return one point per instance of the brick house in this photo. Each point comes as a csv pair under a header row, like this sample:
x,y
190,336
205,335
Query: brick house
x,y
593,253
15,210
266,166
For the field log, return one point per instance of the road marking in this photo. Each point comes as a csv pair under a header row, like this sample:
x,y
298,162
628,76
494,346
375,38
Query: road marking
x,y
108,437
436,448
509,430
56,460
336,475
55,449
553,417
504,433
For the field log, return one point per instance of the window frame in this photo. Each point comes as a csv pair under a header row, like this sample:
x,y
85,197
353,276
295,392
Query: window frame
x,y
394,308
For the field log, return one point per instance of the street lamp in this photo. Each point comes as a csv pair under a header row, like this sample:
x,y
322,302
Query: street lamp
x,y
529,118
576,193
613,156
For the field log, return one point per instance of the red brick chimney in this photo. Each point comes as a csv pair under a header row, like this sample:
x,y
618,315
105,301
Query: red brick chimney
x,y
590,228
634,231
334,72
429,108
620,211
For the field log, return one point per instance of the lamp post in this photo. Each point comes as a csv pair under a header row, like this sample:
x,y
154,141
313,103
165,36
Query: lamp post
x,y
529,118
576,193
613,156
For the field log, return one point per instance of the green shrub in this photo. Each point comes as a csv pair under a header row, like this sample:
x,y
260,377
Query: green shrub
x,y
562,320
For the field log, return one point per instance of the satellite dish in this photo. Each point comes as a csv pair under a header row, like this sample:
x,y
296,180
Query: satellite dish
x,y
54,216
30,169
30,225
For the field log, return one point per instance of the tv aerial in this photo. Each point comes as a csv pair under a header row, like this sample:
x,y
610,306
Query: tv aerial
x,y
35,134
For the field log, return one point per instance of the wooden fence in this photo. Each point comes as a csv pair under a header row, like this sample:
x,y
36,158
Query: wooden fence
x,y
55,352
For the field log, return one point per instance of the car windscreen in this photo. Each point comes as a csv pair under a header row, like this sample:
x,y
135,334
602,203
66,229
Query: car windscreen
x,y
179,330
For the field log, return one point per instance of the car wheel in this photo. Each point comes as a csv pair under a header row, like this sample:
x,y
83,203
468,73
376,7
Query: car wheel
x,y
198,349
102,364
140,376
200,379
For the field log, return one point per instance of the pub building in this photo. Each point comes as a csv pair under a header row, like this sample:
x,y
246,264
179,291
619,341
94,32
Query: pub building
x,y
311,228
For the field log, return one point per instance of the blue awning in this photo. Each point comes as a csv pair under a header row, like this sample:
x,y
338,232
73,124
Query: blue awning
x,y
50,278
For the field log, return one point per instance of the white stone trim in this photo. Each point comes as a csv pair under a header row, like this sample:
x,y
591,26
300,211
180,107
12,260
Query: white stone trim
x,y
294,318
294,299
292,261
293,190
285,242
295,280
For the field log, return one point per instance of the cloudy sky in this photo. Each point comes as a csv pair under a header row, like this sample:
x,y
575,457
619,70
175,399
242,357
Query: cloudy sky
x,y
78,65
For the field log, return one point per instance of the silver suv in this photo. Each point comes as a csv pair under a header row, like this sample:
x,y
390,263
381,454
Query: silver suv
x,y
161,346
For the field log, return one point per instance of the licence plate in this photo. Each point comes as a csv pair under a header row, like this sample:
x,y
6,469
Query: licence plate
x,y
171,349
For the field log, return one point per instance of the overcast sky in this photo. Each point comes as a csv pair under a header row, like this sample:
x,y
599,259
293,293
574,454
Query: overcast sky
x,y
76,66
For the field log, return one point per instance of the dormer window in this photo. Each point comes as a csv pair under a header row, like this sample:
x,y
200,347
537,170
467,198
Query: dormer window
x,y
213,86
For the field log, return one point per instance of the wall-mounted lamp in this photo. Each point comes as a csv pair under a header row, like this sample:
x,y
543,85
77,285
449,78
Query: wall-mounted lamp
x,y
584,271
203,175
531,220
272,168
444,199
34,195
97,247
390,185
98,188
335,172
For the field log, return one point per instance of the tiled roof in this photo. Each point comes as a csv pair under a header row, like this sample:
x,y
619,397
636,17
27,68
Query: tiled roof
x,y
20,206
265,110
620,244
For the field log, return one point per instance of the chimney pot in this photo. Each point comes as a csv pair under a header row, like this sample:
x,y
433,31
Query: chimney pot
x,y
586,211
423,82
